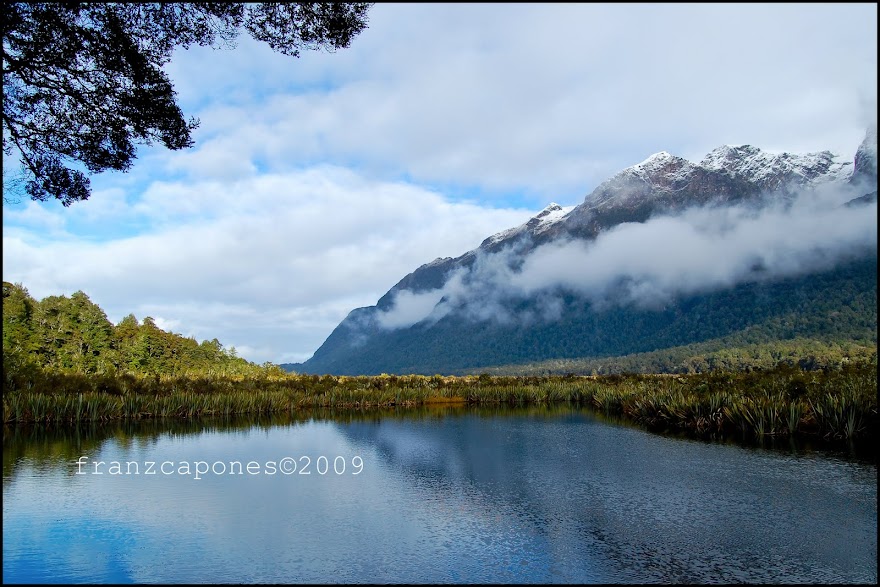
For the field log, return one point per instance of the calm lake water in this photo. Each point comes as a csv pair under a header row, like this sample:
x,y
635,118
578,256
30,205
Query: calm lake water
x,y
429,496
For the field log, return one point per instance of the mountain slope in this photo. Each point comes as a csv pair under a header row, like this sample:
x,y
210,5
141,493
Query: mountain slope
x,y
665,253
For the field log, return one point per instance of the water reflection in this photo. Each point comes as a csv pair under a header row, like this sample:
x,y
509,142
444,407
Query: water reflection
x,y
469,494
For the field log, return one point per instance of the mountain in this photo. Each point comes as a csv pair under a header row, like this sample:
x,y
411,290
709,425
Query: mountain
x,y
743,245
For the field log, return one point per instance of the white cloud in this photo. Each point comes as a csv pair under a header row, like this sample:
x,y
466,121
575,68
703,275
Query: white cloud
x,y
409,308
269,264
33,215
701,249
546,99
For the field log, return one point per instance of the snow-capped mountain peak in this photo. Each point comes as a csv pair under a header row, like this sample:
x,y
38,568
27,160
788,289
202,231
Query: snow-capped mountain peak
x,y
459,294
537,224
762,167
659,164
552,213
656,160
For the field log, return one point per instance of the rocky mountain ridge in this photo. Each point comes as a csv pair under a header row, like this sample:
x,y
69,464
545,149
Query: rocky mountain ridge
x,y
660,185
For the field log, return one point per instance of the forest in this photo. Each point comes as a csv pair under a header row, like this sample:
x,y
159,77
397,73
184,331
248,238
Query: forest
x,y
814,320
73,335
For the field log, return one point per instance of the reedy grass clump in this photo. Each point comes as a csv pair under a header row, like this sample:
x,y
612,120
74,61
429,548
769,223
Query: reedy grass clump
x,y
782,402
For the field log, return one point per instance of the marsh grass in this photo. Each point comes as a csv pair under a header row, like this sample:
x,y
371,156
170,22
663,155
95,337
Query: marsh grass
x,y
781,402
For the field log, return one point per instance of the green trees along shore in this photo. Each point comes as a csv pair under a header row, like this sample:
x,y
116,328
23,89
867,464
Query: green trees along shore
x,y
73,335
65,362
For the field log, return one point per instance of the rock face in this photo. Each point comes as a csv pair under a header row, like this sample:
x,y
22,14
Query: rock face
x,y
663,184
866,160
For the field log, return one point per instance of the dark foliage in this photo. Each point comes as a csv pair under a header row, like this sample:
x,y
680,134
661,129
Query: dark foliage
x,y
83,82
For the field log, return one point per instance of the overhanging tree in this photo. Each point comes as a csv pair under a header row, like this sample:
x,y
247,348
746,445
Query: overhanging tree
x,y
83,83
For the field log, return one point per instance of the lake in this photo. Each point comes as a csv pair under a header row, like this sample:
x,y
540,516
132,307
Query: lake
x,y
472,495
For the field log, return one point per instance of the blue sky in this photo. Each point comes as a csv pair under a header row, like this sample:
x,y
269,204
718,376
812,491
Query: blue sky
x,y
317,183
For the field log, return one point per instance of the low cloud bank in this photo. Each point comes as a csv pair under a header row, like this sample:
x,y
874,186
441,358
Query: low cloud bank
x,y
649,264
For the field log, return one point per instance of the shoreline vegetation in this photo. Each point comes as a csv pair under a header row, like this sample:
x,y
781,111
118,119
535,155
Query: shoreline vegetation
x,y
64,362
784,401
725,354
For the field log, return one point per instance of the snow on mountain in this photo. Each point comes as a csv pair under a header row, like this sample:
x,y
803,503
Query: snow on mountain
x,y
661,164
761,167
550,216
659,172
665,183
539,223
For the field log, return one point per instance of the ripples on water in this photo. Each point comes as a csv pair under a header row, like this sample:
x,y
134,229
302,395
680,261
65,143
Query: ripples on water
x,y
533,495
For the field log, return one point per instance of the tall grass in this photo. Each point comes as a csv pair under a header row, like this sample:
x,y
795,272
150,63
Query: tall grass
x,y
783,402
